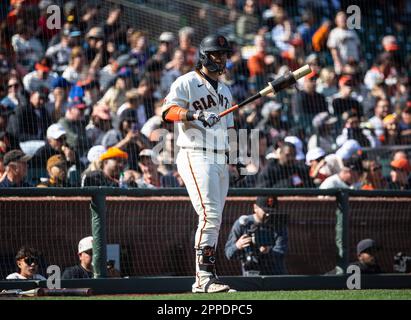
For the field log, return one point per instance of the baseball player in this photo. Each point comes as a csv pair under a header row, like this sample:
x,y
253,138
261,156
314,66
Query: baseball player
x,y
194,102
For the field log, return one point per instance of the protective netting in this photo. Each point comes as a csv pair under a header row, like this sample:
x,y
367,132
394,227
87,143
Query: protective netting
x,y
154,236
101,69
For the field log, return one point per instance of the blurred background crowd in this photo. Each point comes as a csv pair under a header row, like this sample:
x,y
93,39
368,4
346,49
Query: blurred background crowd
x,y
81,105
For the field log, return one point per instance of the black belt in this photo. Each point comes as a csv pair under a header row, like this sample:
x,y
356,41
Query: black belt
x,y
206,150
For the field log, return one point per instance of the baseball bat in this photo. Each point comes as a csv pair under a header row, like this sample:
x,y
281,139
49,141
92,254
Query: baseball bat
x,y
274,86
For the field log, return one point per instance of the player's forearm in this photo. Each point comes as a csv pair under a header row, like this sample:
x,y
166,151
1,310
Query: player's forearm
x,y
176,113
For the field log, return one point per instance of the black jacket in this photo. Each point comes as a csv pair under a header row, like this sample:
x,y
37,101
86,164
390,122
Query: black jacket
x,y
77,272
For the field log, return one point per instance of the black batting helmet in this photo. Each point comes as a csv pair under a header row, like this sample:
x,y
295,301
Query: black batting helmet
x,y
213,43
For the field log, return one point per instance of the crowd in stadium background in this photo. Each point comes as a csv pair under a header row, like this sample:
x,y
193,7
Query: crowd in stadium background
x,y
85,101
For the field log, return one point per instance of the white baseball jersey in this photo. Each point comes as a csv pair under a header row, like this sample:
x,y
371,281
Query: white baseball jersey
x,y
191,91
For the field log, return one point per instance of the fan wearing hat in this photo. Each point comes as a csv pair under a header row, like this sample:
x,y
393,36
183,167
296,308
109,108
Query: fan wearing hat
x,y
14,96
15,162
343,100
57,171
324,132
322,165
399,174
352,130
76,67
167,43
83,270
41,77
367,250
56,145
27,261
113,161
74,123
260,240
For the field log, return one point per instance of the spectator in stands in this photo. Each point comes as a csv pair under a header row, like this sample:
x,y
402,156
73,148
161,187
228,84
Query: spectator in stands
x,y
30,122
391,130
40,78
381,72
260,240
28,48
247,24
76,68
57,171
327,84
259,63
99,125
83,270
7,139
113,164
322,165
151,177
353,131
308,102
343,101
95,50
373,178
139,50
27,261
174,69
60,53
381,110
56,144
15,162
343,43
324,136
366,255
284,171
134,103
58,102
74,123
127,137
400,170
273,120
166,47
185,40
405,126
282,32
14,97
339,180
115,96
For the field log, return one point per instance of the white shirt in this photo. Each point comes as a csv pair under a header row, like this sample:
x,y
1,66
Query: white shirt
x,y
191,91
334,181
18,276
32,82
346,42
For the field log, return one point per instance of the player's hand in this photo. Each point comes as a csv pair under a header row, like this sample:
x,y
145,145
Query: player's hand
x,y
207,118
243,242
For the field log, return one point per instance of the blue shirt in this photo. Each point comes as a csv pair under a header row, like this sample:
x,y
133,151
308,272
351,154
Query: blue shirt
x,y
6,183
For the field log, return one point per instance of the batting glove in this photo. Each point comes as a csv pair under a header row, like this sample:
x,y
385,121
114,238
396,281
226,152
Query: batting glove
x,y
208,118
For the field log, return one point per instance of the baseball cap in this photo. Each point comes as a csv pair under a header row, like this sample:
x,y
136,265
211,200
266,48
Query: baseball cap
x,y
312,75
43,65
298,146
349,148
146,153
60,82
402,164
77,103
268,204
112,153
76,92
55,161
95,152
314,154
85,244
55,131
365,245
15,155
167,37
345,81
323,118
354,163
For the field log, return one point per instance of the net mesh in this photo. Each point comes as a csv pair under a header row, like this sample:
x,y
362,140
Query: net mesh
x,y
155,235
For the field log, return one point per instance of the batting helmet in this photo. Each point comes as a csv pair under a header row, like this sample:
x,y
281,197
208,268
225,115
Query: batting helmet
x,y
213,43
